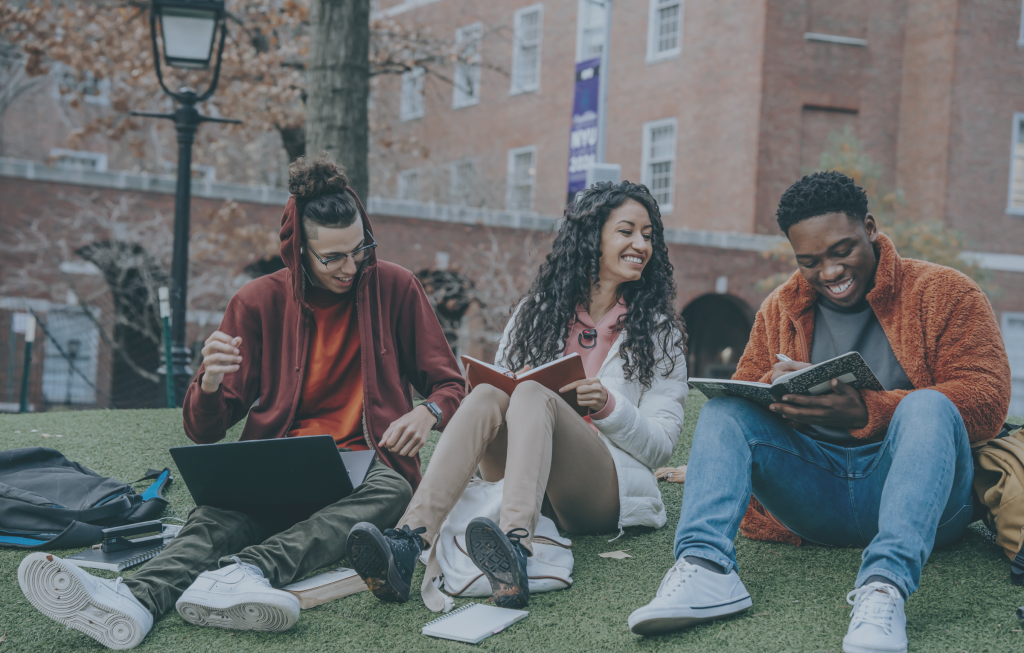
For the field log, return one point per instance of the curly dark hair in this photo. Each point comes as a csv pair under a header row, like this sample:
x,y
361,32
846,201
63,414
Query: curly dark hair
x,y
571,270
319,186
818,194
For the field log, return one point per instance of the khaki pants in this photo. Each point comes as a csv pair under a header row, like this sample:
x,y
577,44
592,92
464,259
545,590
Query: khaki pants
x,y
539,445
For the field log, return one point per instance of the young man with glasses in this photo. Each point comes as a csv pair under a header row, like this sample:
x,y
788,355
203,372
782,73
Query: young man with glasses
x,y
333,344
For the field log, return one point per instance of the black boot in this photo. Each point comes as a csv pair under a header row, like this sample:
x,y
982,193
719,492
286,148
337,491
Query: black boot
x,y
502,559
385,561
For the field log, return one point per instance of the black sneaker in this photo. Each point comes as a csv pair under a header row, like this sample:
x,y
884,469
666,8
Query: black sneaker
x,y
502,559
385,561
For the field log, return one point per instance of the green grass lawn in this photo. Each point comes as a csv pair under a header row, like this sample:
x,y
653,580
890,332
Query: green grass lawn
x,y
966,601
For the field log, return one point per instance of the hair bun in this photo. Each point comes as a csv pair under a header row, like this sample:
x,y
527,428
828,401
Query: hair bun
x,y
311,177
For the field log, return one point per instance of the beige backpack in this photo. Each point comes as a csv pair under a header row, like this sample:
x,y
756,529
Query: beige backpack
x,y
999,486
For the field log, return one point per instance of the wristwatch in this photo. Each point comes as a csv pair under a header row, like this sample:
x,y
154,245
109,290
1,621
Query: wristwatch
x,y
435,411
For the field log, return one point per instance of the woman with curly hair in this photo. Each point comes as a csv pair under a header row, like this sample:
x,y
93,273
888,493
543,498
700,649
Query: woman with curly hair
x,y
605,292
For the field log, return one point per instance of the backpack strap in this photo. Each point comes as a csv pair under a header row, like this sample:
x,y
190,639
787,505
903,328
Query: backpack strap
x,y
75,536
1007,430
1017,568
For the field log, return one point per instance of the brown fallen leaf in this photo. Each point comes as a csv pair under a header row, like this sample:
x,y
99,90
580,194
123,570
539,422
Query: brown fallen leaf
x,y
3,638
671,474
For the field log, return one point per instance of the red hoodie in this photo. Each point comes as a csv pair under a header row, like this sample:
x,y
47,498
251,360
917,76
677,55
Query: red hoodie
x,y
402,347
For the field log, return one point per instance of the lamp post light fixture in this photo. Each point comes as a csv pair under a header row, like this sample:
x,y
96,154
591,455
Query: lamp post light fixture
x,y
188,31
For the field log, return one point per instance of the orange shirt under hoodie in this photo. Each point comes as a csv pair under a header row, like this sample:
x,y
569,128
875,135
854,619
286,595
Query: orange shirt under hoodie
x,y
331,401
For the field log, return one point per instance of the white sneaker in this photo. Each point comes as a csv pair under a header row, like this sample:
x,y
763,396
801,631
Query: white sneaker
x,y
238,597
102,609
689,595
877,622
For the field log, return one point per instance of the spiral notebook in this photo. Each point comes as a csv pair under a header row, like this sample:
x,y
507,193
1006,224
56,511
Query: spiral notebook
x,y
115,560
473,623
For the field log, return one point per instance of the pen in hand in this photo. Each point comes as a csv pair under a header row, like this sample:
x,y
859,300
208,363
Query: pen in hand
x,y
784,358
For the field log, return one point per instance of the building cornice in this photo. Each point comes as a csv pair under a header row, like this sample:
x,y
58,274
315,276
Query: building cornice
x,y
34,170
140,182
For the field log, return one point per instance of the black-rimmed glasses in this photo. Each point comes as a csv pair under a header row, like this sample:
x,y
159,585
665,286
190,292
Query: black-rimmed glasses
x,y
357,255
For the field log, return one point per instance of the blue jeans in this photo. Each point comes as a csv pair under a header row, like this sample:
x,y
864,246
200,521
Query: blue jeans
x,y
898,498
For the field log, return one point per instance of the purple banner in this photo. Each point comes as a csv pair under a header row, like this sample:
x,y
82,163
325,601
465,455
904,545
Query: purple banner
x,y
583,133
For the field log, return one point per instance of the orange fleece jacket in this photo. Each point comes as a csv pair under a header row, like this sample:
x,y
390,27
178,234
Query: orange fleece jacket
x,y
941,328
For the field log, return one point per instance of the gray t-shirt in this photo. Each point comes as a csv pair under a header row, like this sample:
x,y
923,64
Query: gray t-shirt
x,y
839,331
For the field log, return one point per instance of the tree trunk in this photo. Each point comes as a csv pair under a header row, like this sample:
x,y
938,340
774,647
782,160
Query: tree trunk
x,y
294,141
339,86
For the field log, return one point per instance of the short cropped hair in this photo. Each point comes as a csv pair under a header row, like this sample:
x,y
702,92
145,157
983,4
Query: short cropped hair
x,y
819,194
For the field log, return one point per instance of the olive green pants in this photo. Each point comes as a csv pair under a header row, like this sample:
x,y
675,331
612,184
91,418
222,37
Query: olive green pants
x,y
285,547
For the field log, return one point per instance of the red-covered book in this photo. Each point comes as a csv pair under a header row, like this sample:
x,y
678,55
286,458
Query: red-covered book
x,y
554,375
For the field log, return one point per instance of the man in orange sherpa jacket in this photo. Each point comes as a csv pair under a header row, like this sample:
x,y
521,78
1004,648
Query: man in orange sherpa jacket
x,y
886,470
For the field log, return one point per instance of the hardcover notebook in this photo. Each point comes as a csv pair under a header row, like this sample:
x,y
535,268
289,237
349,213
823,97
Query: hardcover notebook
x,y
473,623
330,585
115,560
554,375
815,380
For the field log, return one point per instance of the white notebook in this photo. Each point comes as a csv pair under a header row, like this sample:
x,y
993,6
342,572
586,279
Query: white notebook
x,y
473,623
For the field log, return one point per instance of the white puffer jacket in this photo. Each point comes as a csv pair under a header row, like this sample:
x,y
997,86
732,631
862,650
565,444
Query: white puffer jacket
x,y
641,432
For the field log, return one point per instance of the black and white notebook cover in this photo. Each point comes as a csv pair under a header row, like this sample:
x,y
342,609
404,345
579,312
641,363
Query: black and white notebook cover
x,y
815,380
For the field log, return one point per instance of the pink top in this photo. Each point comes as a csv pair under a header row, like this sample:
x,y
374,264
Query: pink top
x,y
607,332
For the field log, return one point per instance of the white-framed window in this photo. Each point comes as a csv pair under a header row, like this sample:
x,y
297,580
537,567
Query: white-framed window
x,y
590,15
1015,200
69,366
522,177
467,69
526,49
1013,338
664,29
409,184
463,183
79,160
412,94
69,82
659,160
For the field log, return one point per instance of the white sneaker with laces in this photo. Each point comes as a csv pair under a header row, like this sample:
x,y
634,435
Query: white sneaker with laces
x,y
238,597
877,622
102,609
689,595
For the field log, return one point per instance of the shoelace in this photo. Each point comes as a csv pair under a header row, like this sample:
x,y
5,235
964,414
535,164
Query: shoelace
x,y
255,572
678,574
404,533
514,537
874,604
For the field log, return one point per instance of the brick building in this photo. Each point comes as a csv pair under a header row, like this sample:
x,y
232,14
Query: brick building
x,y
717,106
720,106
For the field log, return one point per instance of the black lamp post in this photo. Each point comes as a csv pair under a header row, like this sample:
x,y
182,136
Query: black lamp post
x,y
188,30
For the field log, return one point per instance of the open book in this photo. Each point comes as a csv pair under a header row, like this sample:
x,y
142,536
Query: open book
x,y
554,375
814,380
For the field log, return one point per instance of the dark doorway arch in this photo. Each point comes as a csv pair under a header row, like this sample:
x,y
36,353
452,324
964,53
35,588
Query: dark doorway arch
x,y
718,328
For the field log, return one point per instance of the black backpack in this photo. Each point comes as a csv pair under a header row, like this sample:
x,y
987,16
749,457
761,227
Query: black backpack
x,y
47,501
